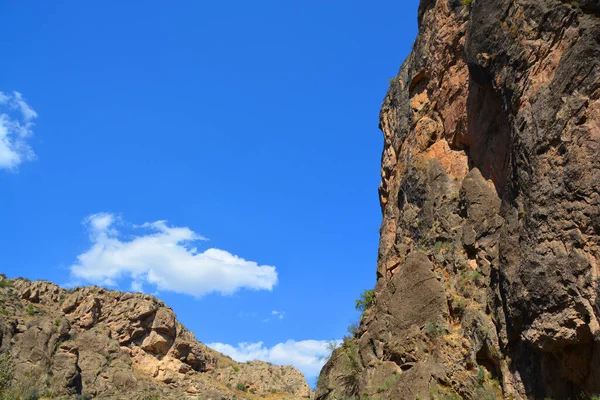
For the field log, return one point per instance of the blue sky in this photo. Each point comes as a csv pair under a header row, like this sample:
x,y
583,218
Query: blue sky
x,y
222,155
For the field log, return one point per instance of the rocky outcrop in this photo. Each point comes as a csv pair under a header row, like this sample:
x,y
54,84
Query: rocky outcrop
x,y
265,378
97,343
487,275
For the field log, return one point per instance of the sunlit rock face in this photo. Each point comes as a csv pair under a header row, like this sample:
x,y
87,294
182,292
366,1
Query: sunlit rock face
x,y
487,274
96,343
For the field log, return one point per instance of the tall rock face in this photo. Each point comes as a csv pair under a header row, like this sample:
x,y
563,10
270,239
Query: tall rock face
x,y
487,275
95,343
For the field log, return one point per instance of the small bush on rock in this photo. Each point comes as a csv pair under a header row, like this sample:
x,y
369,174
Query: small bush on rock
x,y
366,300
434,330
241,387
30,310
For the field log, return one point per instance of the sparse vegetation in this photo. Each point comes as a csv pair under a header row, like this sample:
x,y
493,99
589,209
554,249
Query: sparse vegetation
x,y
6,372
488,388
472,276
434,329
4,311
27,389
5,283
351,368
468,3
353,328
441,247
388,383
439,392
574,4
480,375
458,305
235,367
241,387
366,300
30,310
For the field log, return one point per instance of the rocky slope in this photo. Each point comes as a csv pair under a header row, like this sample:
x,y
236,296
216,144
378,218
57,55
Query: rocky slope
x,y
487,275
95,343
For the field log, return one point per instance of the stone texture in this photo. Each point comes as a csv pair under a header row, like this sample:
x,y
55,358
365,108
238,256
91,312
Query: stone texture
x,y
489,256
111,345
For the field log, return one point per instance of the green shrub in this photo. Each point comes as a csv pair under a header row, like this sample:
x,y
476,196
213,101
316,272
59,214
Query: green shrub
x,y
468,3
388,383
273,390
7,368
4,311
434,330
5,283
351,368
574,4
30,310
241,387
472,276
480,375
366,300
458,305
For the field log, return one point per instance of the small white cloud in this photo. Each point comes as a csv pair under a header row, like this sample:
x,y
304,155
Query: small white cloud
x,y
278,314
163,257
15,130
308,356
26,110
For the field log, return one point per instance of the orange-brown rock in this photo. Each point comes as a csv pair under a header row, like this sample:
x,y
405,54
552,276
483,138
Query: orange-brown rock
x,y
488,269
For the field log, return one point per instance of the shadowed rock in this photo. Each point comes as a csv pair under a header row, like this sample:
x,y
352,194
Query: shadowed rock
x,y
489,256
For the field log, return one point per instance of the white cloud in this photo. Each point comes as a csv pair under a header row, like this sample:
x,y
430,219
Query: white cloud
x,y
278,314
27,112
308,356
15,130
163,256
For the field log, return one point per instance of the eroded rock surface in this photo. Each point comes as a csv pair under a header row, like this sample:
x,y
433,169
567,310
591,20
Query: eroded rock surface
x,y
105,344
487,275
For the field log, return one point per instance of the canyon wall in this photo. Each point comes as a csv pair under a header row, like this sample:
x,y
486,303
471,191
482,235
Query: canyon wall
x,y
487,274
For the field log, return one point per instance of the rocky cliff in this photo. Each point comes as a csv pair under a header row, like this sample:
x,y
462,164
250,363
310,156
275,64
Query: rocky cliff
x,y
487,275
94,343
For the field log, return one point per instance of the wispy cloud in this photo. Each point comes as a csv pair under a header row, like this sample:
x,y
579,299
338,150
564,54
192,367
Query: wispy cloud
x,y
16,126
308,356
163,256
278,314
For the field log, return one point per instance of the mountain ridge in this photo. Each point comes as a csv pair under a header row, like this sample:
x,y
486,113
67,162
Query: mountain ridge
x,y
91,342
